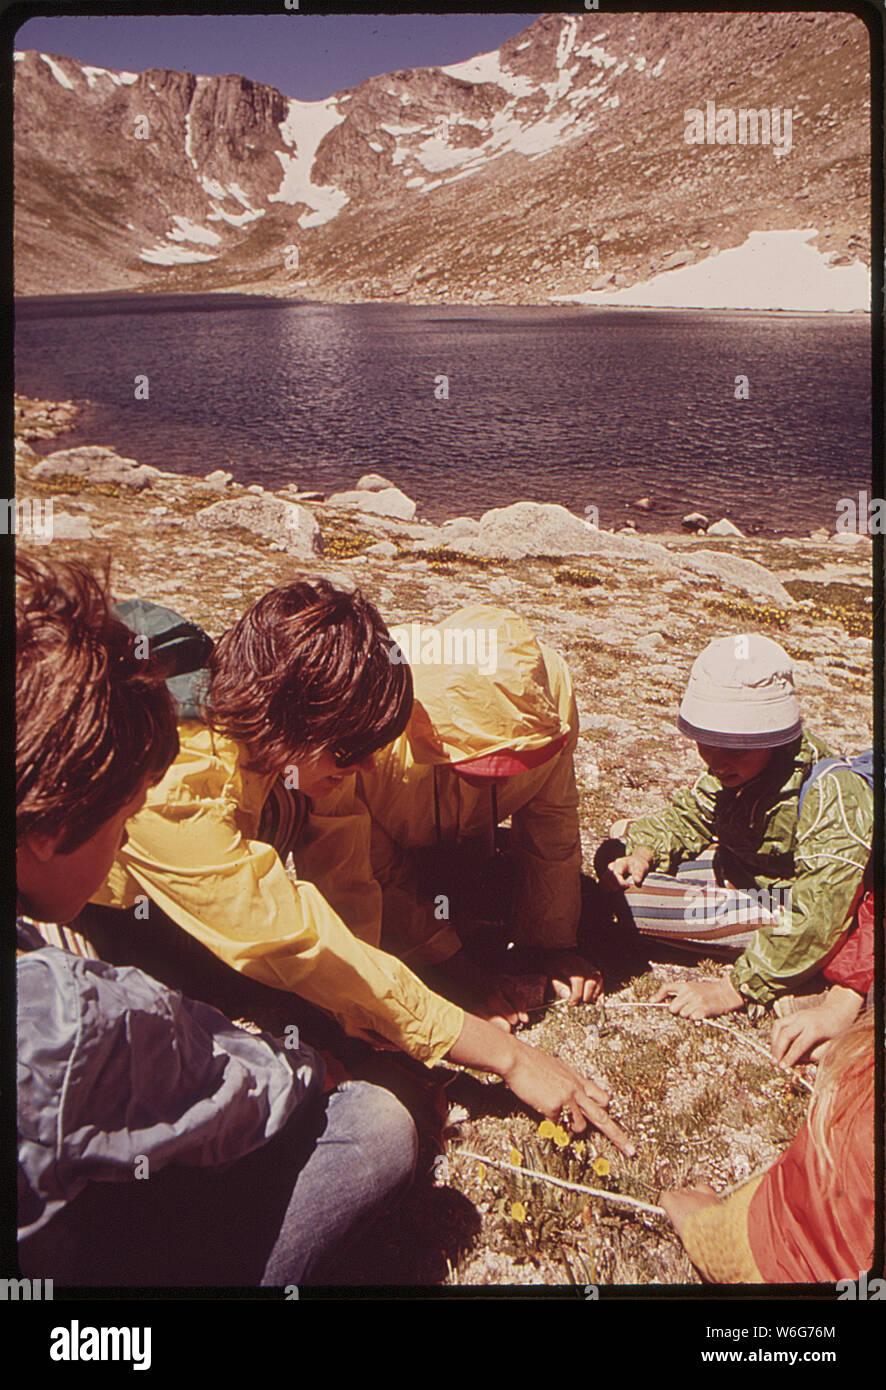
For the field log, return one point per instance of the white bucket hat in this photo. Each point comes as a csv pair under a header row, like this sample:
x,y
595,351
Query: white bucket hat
x,y
741,695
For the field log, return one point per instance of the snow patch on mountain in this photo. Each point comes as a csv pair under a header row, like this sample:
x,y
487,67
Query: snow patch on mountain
x,y
237,192
213,187
188,136
58,73
566,42
119,79
234,219
186,230
173,255
487,68
436,155
305,125
219,194
597,55
772,270
396,130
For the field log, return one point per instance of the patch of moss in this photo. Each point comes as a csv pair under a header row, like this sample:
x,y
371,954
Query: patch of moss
x,y
835,602
73,485
343,547
580,578
342,540
437,556
193,501
748,612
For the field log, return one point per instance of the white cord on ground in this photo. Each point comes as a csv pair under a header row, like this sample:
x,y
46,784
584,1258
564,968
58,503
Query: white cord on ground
x,y
724,1028
561,1182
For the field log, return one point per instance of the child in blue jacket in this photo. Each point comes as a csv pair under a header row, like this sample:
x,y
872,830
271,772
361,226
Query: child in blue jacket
x,y
159,1144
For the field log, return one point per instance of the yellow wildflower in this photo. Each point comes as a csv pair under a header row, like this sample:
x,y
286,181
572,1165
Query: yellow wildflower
x,y
516,1156
601,1167
481,1171
560,1137
547,1129
518,1211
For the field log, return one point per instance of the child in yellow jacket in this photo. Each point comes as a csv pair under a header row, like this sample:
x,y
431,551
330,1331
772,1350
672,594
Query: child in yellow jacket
x,y
303,690
491,737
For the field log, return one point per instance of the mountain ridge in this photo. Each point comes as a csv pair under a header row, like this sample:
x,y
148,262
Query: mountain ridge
x,y
551,166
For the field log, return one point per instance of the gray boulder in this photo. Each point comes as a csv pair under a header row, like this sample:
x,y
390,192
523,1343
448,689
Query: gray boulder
x,y
288,526
373,482
218,478
734,573
545,528
450,534
70,528
725,527
850,538
695,521
382,550
389,501
651,642
389,527
97,464
459,526
24,454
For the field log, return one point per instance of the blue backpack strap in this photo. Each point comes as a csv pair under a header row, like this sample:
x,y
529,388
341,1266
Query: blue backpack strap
x,y
181,647
862,764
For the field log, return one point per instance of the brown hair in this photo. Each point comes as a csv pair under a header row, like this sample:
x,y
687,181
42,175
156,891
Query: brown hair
x,y
309,666
94,720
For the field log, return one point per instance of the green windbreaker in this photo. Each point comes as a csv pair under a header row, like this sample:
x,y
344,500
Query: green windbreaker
x,y
820,856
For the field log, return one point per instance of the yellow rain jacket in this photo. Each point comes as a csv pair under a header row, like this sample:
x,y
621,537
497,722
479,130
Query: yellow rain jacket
x,y
483,684
194,850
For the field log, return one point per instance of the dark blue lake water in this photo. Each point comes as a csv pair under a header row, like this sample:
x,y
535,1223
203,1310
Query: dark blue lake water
x,y
577,406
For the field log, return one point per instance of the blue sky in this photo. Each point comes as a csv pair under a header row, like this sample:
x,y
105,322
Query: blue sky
x,y
304,56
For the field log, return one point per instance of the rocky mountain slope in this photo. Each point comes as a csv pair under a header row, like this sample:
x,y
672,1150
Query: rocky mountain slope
x,y
553,165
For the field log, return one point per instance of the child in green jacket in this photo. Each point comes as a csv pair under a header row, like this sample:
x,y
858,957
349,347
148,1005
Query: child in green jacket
x,y
783,884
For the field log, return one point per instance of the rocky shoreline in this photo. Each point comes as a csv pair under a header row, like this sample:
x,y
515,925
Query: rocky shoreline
x,y
211,545
372,495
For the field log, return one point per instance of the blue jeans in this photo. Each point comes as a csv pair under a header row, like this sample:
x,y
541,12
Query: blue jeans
x,y
365,1155
281,1215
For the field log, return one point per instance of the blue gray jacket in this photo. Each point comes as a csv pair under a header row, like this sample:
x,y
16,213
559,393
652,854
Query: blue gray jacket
x,y
114,1068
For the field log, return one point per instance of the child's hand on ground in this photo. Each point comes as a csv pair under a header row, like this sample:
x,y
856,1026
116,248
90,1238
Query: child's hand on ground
x,y
680,1204
573,977
799,1033
700,998
627,872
